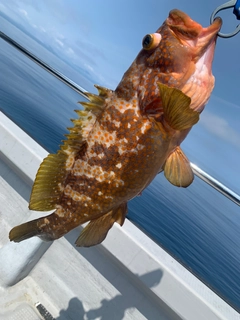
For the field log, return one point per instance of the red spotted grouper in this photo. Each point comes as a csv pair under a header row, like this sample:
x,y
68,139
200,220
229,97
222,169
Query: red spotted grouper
x,y
123,138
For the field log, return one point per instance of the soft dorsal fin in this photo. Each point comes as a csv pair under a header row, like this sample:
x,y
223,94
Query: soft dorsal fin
x,y
96,231
177,169
45,192
176,108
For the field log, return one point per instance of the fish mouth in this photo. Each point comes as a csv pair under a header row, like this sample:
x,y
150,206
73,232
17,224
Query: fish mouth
x,y
191,32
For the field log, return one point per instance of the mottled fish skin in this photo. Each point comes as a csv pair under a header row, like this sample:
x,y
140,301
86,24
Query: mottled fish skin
x,y
124,144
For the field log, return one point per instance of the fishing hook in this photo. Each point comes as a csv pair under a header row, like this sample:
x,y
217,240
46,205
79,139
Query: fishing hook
x,y
230,4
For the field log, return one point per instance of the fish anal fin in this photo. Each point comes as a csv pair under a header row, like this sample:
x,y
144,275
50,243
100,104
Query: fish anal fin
x,y
120,213
176,108
177,169
96,230
45,192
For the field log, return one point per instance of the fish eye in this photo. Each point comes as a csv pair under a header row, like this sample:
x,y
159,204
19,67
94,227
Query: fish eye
x,y
151,41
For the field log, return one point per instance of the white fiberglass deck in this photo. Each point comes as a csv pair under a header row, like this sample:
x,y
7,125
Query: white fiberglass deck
x,y
126,277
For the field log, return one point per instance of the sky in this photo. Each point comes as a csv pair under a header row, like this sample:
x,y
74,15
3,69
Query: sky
x,y
98,40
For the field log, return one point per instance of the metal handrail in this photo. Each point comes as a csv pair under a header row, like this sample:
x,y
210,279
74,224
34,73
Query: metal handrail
x,y
44,65
217,185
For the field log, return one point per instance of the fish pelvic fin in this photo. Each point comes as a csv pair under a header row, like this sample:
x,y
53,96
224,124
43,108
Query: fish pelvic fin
x,y
24,231
177,169
96,231
176,108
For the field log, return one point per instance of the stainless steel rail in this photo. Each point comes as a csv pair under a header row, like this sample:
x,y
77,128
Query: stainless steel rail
x,y
44,65
216,184
197,171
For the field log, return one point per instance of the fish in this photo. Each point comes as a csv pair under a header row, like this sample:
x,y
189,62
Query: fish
x,y
123,138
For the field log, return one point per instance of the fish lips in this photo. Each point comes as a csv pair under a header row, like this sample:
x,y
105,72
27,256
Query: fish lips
x,y
188,30
192,34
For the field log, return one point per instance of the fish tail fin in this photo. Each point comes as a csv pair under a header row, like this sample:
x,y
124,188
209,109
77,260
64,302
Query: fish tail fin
x,y
24,231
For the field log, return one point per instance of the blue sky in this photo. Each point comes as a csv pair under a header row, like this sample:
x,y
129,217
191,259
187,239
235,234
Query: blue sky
x,y
100,39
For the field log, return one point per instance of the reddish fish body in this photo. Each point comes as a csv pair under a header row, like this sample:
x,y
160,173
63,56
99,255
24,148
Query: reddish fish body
x,y
125,137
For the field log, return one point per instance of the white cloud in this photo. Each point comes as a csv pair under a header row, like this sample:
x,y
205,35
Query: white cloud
x,y
220,127
23,12
70,51
42,29
88,66
59,42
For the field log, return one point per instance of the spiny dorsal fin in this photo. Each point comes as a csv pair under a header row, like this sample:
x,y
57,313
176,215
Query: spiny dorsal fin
x,y
96,231
176,108
103,92
45,192
94,98
96,108
177,169
82,126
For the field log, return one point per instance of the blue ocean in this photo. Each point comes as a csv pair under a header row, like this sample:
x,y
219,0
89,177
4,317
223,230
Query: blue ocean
x,y
197,226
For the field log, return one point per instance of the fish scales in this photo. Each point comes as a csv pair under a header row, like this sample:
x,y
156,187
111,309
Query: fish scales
x,y
125,137
115,163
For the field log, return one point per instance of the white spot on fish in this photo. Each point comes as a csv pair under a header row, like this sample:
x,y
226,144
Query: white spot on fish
x,y
117,123
108,197
145,126
140,146
61,187
81,167
70,161
76,196
119,165
101,155
59,212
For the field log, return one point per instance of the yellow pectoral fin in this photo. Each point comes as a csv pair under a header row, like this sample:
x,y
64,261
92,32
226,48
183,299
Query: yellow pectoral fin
x,y
177,169
96,231
176,108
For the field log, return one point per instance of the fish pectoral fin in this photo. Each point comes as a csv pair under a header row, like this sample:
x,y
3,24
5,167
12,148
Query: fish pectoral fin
x,y
177,169
96,231
176,108
45,192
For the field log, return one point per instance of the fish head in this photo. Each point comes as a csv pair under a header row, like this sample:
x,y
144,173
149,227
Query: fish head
x,y
179,54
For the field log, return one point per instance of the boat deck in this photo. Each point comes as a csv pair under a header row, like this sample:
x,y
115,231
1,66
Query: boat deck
x,y
128,276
